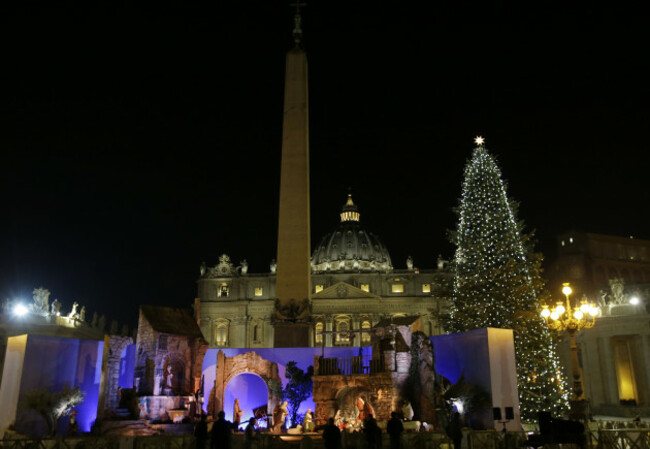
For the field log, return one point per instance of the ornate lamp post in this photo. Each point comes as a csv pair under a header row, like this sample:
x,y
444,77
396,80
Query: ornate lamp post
x,y
571,319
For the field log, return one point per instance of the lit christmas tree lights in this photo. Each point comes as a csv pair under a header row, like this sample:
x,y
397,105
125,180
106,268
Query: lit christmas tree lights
x,y
498,284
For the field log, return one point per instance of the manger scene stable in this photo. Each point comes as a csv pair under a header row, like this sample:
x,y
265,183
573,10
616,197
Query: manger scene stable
x,y
177,378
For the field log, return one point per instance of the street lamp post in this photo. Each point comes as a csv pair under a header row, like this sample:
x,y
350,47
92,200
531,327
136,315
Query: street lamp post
x,y
571,319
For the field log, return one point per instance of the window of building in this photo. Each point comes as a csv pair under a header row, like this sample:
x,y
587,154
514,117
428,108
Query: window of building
x,y
162,342
365,336
318,288
259,291
343,329
221,333
397,288
365,287
224,290
319,333
426,288
627,391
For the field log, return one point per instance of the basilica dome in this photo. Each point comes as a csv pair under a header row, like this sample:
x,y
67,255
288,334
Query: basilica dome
x,y
350,247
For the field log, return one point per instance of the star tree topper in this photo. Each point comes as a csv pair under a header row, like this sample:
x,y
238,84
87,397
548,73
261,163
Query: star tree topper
x,y
479,140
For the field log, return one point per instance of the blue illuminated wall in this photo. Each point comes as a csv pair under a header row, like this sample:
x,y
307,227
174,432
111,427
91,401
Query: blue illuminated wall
x,y
52,362
127,367
465,352
239,386
486,357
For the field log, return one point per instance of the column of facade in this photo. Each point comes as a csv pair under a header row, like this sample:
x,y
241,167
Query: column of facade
x,y
645,347
212,334
239,332
355,324
591,371
248,326
269,331
329,327
608,371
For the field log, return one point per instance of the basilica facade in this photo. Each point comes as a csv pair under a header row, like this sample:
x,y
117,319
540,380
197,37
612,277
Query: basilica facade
x,y
354,285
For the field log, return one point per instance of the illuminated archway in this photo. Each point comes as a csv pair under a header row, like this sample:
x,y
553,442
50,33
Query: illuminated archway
x,y
252,392
228,368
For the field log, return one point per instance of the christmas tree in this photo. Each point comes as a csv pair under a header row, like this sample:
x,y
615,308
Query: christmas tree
x,y
498,284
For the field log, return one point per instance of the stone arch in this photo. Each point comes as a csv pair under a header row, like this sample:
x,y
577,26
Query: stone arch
x,y
180,382
250,362
356,401
114,345
378,389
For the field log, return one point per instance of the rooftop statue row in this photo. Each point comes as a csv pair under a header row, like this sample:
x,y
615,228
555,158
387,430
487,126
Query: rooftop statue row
x,y
225,268
41,306
51,313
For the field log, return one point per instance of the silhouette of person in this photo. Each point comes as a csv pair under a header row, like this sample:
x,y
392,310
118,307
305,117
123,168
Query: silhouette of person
x,y
455,431
372,432
394,429
201,432
250,433
221,437
332,435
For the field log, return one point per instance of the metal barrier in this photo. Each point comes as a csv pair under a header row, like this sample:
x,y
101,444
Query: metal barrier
x,y
491,439
623,439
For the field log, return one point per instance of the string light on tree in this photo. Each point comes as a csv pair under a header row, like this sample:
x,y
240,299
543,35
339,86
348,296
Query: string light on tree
x,y
497,283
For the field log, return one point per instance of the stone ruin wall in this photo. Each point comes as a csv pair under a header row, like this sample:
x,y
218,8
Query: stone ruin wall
x,y
327,390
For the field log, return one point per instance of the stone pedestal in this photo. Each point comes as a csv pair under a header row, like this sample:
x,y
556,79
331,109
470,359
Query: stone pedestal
x,y
291,335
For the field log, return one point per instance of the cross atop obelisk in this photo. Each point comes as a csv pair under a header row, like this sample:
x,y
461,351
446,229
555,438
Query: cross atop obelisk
x,y
297,24
293,282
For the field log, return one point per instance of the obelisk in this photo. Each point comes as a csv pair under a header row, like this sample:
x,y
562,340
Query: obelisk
x,y
293,281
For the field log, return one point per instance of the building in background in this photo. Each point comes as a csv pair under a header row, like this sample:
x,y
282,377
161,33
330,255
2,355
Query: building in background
x,y
615,354
589,261
353,286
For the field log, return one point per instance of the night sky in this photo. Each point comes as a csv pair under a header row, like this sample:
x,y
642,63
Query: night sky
x,y
140,141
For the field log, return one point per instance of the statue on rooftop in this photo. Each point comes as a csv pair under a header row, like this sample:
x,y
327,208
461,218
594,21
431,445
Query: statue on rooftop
x,y
56,307
73,313
41,300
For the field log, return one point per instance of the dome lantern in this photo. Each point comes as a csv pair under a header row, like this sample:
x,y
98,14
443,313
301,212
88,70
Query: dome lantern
x,y
350,211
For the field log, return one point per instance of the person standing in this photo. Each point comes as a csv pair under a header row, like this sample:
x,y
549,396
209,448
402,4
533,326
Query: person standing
x,y
372,432
221,437
307,422
250,433
455,431
73,425
279,416
237,413
332,435
201,432
394,429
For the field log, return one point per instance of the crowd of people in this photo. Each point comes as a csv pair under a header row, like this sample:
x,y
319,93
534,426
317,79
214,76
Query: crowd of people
x,y
220,437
